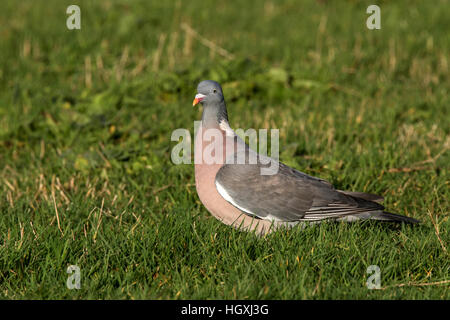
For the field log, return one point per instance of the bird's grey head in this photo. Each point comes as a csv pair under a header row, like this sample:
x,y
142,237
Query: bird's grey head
x,y
208,92
210,95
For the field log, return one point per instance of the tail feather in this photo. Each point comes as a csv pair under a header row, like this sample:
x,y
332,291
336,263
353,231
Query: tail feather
x,y
388,216
373,202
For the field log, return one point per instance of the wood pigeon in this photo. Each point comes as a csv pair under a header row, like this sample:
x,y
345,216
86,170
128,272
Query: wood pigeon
x,y
232,185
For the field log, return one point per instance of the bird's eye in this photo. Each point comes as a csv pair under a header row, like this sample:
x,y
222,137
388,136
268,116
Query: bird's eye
x,y
214,90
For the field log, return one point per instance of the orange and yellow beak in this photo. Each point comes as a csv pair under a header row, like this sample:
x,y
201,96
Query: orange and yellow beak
x,y
198,97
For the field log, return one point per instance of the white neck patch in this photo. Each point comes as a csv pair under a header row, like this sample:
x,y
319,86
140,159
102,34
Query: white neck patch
x,y
226,127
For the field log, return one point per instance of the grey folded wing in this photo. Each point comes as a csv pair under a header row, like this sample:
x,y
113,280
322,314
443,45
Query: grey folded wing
x,y
289,195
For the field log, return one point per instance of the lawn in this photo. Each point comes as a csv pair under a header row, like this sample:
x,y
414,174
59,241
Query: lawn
x,y
86,118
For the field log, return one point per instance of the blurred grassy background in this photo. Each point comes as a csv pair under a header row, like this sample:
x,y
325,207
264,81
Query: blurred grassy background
x,y
85,123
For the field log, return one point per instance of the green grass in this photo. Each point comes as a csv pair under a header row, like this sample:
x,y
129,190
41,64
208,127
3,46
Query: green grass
x,y
86,118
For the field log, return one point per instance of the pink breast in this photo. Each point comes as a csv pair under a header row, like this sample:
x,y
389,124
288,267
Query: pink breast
x,y
205,175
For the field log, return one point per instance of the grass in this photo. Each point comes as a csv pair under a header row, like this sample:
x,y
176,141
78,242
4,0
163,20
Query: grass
x,y
86,118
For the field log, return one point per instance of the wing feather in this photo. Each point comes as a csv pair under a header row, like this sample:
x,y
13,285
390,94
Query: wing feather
x,y
289,195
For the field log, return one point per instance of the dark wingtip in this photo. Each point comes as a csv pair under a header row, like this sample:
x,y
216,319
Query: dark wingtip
x,y
388,216
364,195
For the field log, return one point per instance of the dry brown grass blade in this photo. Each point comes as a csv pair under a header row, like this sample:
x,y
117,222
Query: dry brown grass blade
x,y
87,72
161,189
396,170
158,53
56,213
418,165
99,220
436,231
208,43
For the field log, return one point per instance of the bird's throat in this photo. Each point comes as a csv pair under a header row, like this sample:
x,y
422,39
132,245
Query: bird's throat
x,y
214,114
